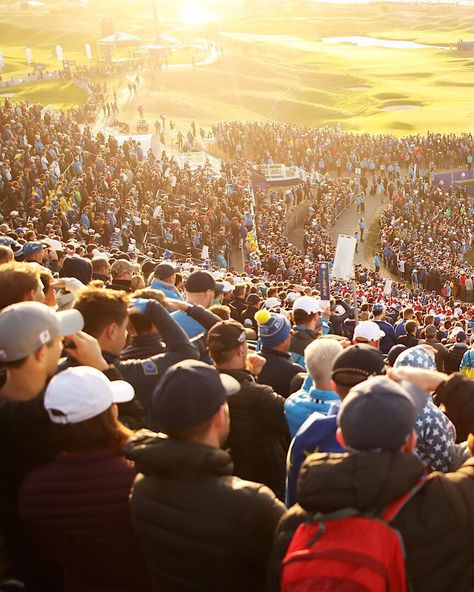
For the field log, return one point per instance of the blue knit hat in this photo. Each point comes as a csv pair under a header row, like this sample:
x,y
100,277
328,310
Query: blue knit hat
x,y
273,328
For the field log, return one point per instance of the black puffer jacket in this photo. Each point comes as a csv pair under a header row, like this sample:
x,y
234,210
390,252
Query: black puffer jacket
x,y
201,529
259,437
437,524
278,371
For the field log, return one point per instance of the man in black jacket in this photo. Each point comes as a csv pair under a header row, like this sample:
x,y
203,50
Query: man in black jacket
x,y
274,331
377,421
259,438
337,319
106,318
307,325
200,527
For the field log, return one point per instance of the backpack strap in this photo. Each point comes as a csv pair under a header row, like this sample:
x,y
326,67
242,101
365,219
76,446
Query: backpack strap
x,y
393,509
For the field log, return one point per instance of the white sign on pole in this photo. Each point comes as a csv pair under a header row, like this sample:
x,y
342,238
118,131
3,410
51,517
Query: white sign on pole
x,y
59,53
29,57
205,252
387,289
88,51
344,258
2,61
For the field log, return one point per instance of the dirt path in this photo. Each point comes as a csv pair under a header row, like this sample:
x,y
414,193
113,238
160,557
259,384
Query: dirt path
x,y
347,224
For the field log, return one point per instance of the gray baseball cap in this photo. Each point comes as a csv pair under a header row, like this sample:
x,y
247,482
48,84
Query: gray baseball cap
x,y
379,414
26,326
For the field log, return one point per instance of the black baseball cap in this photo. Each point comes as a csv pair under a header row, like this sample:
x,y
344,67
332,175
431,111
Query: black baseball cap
x,y
225,336
379,414
356,363
163,271
253,300
189,393
394,352
201,281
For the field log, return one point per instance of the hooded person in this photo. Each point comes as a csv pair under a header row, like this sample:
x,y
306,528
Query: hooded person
x,y
274,333
376,424
77,267
436,435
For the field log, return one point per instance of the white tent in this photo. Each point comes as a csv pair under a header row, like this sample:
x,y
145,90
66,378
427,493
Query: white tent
x,y
120,39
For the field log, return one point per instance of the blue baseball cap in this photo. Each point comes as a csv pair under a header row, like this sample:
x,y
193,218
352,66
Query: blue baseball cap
x,y
189,393
32,248
378,308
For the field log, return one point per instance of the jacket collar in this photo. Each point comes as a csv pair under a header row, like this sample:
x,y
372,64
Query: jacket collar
x,y
159,455
362,480
240,375
275,352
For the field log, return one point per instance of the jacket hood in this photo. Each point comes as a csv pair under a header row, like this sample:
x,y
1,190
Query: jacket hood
x,y
364,481
157,454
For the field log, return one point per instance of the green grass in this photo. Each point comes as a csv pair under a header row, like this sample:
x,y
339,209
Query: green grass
x,y
305,82
183,55
60,94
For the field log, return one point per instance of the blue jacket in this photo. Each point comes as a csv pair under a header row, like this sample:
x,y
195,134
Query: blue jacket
x,y
168,289
191,327
389,339
300,405
317,434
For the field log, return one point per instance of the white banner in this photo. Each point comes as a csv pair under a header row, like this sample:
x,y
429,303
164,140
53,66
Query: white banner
x,y
88,51
59,53
344,258
205,252
29,57
2,61
387,289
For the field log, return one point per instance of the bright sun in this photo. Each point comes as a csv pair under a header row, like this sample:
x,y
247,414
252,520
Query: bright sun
x,y
196,13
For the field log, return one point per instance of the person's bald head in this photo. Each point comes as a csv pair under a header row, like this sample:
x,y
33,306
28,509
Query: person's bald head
x,y
6,254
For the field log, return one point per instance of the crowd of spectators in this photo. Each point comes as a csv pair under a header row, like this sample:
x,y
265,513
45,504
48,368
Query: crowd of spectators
x,y
157,406
425,234
332,150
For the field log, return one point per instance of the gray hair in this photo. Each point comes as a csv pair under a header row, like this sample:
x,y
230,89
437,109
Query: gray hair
x,y
319,358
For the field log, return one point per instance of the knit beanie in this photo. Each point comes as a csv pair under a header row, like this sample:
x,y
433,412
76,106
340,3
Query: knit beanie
x,y
273,328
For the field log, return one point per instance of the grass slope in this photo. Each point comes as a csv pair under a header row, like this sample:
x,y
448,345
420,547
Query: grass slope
x,y
276,67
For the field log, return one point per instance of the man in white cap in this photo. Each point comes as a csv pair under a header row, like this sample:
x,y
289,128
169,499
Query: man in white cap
x,y
368,332
307,325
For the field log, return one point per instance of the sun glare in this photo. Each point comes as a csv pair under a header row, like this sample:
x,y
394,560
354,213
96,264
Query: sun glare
x,y
194,14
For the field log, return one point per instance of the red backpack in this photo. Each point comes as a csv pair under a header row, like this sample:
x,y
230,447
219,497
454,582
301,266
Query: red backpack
x,y
347,552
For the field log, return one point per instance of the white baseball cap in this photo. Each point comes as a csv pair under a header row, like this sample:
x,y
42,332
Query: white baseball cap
x,y
227,287
309,304
272,302
368,330
81,393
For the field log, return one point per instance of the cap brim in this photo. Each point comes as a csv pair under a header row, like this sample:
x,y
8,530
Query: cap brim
x,y
418,396
231,386
122,391
219,288
69,322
